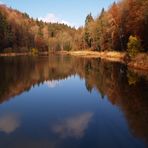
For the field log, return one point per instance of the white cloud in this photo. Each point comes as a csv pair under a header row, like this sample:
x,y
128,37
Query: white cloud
x,y
73,126
52,84
9,123
52,18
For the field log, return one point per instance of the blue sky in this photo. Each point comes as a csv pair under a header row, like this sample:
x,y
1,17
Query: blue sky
x,y
72,12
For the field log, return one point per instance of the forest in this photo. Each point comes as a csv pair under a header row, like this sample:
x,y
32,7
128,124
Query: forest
x,y
20,33
123,27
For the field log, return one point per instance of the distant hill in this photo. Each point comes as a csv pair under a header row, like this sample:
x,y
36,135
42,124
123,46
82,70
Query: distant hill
x,y
20,33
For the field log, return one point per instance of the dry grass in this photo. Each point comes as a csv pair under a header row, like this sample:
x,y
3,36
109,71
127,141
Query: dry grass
x,y
112,55
139,62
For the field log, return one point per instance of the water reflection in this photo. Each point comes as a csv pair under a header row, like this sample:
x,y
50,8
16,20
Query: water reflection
x,y
9,123
73,126
52,84
125,89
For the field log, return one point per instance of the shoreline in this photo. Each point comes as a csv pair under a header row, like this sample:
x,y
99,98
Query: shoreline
x,y
111,56
140,62
13,54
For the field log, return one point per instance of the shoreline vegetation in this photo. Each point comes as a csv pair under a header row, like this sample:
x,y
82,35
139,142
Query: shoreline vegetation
x,y
13,54
118,33
139,62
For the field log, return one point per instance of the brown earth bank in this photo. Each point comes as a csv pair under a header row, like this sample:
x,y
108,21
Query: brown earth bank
x,y
14,54
140,61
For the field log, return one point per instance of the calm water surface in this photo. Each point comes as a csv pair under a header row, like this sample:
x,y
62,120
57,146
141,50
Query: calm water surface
x,y
67,102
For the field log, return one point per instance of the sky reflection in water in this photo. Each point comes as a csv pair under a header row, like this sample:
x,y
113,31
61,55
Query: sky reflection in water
x,y
71,102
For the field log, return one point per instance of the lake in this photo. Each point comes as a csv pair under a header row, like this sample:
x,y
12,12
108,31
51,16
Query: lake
x,y
69,102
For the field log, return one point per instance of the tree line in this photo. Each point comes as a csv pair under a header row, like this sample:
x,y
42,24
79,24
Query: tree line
x,y
123,27
21,33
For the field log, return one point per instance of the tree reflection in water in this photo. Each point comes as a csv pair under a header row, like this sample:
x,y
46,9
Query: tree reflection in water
x,y
124,88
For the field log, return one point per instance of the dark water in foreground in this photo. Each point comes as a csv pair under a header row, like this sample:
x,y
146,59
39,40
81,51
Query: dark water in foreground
x,y
67,102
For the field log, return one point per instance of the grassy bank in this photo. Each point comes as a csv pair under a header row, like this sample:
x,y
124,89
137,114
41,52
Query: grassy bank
x,y
112,56
140,61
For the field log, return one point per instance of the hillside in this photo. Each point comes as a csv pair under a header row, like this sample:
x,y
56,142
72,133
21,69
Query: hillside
x,y
20,33
122,27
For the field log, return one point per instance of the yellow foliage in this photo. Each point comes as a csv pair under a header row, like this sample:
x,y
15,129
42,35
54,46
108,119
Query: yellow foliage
x,y
34,51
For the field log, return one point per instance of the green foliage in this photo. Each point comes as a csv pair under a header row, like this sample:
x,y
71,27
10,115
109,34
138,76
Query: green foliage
x,y
89,19
88,34
134,46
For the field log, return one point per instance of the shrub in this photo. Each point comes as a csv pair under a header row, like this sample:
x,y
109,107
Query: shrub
x,y
132,78
134,46
23,49
8,50
67,46
34,51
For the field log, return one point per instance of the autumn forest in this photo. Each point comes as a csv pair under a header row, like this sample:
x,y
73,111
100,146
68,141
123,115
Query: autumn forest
x,y
122,26
74,85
